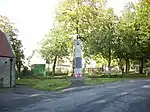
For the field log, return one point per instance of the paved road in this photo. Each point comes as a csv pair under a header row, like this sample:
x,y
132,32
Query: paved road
x,y
123,96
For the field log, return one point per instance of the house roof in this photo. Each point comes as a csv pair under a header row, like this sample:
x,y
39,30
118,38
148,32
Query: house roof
x,y
5,47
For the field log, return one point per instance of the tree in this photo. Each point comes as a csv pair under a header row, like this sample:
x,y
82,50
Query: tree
x,y
17,47
8,27
124,38
143,30
104,35
79,16
92,21
54,47
133,33
125,43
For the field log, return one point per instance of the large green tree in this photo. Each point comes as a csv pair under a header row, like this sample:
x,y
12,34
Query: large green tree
x,y
125,41
55,46
124,38
92,21
102,36
133,33
142,24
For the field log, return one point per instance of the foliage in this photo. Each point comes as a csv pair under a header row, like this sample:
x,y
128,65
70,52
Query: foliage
x,y
17,47
91,81
55,46
133,33
26,72
49,73
8,27
92,21
123,39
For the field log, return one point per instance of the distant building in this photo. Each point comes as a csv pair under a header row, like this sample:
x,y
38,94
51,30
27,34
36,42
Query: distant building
x,y
36,58
7,62
64,65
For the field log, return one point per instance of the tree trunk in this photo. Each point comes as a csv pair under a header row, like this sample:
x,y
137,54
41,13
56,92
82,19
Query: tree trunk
x,y
121,66
48,68
122,70
127,65
54,66
141,65
19,64
109,61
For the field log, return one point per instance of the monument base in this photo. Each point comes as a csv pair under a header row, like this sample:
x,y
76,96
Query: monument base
x,y
76,81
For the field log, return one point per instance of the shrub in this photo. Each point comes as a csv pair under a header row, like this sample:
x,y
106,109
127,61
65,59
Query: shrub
x,y
26,72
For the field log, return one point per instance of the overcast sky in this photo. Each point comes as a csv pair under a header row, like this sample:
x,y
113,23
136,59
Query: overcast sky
x,y
34,18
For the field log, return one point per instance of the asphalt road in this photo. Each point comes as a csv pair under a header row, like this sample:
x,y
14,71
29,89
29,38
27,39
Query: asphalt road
x,y
123,96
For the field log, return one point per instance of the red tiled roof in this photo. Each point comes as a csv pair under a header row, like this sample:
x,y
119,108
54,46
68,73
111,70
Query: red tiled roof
x,y
5,47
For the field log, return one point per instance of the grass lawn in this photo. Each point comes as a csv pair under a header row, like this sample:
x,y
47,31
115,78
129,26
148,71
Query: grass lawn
x,y
5,89
58,84
92,81
45,84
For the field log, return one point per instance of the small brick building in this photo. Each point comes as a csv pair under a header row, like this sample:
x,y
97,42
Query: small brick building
x,y
7,62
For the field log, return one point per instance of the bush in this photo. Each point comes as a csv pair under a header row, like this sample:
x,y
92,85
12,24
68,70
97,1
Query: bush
x,y
105,76
27,72
24,73
49,73
61,74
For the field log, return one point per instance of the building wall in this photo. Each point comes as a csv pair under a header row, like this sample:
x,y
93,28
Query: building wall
x,y
13,73
5,71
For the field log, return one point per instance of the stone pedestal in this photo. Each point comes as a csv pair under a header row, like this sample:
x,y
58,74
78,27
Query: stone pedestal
x,y
76,81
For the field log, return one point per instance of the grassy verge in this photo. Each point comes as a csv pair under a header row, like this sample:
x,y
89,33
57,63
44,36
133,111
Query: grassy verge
x,y
58,84
45,84
92,81
2,90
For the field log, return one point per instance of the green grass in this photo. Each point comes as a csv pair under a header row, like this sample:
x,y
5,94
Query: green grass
x,y
45,84
2,90
58,84
28,82
93,81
